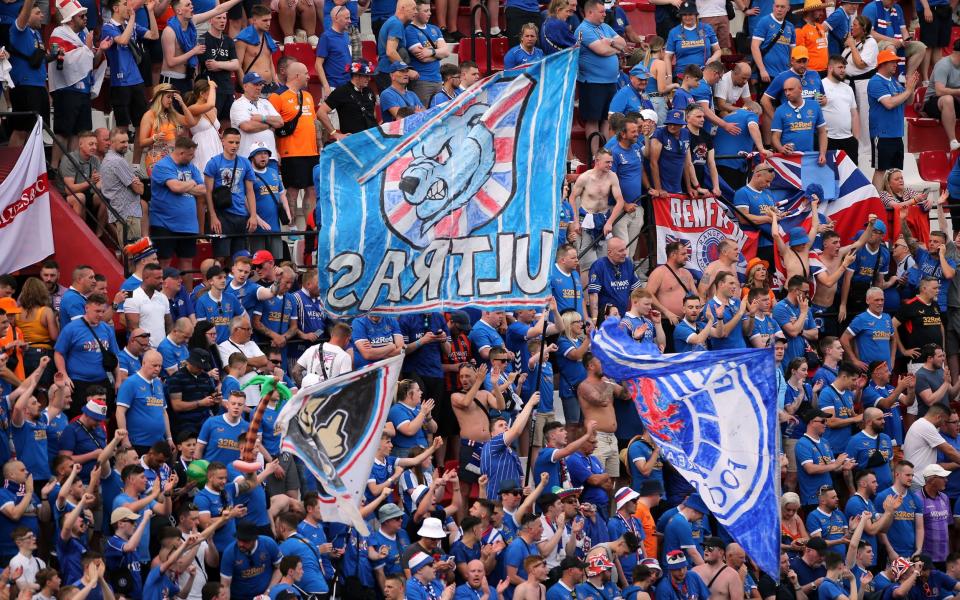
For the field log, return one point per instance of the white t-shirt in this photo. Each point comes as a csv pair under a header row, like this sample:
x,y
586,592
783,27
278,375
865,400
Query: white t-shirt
x,y
31,566
712,8
250,350
920,446
335,362
726,89
242,111
868,54
201,578
152,311
836,112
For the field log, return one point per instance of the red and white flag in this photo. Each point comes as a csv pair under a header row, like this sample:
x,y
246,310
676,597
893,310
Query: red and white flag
x,y
26,232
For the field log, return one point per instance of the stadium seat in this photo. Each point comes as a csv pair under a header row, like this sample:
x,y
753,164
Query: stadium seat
x,y
641,18
303,53
912,178
954,36
499,49
369,49
925,134
934,166
911,109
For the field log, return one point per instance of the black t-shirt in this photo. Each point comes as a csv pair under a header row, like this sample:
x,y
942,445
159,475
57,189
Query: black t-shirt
x,y
920,323
700,146
221,49
768,587
354,107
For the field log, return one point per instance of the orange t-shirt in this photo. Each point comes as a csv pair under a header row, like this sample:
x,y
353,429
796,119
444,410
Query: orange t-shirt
x,y
814,37
9,339
649,530
303,141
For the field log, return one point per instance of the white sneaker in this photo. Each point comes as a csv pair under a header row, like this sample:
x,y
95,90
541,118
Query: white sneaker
x,y
314,40
289,40
954,145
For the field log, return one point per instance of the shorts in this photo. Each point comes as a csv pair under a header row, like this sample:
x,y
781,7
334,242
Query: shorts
x,y
291,478
469,458
936,34
181,245
887,153
594,100
931,107
238,11
790,451
297,171
721,26
29,98
129,103
951,331
595,250
224,101
184,85
231,224
71,112
608,452
542,419
133,228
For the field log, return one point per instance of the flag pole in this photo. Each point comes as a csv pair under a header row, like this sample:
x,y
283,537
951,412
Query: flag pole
x,y
533,414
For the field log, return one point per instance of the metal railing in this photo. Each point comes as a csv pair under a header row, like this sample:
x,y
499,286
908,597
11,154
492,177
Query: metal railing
x,y
125,230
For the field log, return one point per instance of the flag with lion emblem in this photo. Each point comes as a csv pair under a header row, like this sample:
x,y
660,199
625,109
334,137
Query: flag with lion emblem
x,y
452,207
334,427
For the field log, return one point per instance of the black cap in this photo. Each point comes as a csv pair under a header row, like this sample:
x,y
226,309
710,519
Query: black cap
x,y
461,319
572,562
712,541
509,485
247,532
813,413
818,544
199,358
688,8
170,272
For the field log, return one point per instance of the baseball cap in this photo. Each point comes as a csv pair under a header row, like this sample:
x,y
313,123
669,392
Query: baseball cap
x,y
880,227
640,72
509,485
461,319
712,541
171,273
649,115
419,561
253,77
261,256
10,306
934,470
800,53
572,562
199,358
123,513
817,543
813,413
688,8
246,531
394,67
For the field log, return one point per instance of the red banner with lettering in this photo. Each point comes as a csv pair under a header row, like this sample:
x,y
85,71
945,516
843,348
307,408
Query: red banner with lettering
x,y
26,233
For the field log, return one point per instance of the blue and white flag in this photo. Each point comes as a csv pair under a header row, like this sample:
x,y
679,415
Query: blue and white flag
x,y
334,427
714,417
453,207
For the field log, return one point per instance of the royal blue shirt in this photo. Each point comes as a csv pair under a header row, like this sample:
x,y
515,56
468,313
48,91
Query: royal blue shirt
x,y
30,440
690,46
219,313
613,283
391,98
673,153
269,205
798,125
866,264
25,41
425,360
313,581
334,49
250,573
726,313
378,333
220,439
213,503
517,56
888,22
784,313
571,371
856,506
174,212
777,57
861,446
483,336
841,405
427,37
146,407
82,353
818,453
873,335
594,68
233,173
751,201
116,558
124,70
567,290
392,28
902,532
884,122
628,165
829,527
810,83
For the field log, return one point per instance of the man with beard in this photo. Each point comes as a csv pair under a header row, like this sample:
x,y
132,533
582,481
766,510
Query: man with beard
x,y
724,581
670,283
828,269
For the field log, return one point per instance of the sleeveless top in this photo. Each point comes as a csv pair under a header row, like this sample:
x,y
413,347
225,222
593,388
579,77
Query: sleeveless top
x,y
34,331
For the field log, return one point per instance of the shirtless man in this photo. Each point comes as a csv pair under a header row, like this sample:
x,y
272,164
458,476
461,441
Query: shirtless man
x,y
249,42
671,282
533,588
592,217
727,259
829,267
795,256
596,396
724,582
176,58
736,560
472,407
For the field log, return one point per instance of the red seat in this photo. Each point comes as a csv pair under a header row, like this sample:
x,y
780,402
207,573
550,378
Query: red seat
x,y
926,134
369,50
499,50
954,36
304,53
642,19
934,166
628,6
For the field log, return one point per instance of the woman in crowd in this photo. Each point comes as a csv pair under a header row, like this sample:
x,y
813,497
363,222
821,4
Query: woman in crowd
x,y
861,54
162,124
660,84
39,325
202,104
205,337
799,395
572,345
557,33
793,533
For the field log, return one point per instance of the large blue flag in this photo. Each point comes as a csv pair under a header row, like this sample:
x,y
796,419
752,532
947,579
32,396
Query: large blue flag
x,y
714,417
456,206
